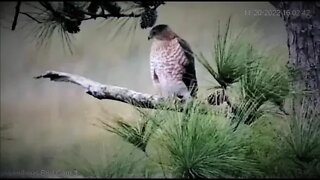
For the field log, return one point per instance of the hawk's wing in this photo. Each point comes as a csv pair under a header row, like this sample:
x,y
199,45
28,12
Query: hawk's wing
x,y
189,77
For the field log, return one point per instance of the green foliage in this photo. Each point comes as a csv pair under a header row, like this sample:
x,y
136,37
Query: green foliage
x,y
231,55
197,144
260,85
263,84
287,147
96,160
303,138
302,142
266,146
137,135
203,145
238,62
247,111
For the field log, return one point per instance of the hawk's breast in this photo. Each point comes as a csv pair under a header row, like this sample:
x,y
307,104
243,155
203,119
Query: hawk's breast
x,y
168,59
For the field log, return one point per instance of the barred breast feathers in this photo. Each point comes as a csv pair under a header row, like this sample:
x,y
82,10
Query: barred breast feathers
x,y
168,51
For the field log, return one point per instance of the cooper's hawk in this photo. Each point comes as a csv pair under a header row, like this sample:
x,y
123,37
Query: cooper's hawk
x,y
172,64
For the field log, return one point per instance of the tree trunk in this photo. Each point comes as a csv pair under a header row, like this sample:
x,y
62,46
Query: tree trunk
x,y
302,20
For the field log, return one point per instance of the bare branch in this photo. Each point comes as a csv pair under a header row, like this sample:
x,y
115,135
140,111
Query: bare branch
x,y
106,16
101,91
16,15
31,17
121,94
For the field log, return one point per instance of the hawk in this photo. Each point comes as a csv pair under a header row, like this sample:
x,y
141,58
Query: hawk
x,y
172,64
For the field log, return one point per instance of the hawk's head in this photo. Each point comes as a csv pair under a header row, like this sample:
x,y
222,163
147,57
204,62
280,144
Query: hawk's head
x,y
161,32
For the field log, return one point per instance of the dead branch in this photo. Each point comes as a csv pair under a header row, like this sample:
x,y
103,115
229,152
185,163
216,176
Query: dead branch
x,y
121,94
16,15
101,91
31,17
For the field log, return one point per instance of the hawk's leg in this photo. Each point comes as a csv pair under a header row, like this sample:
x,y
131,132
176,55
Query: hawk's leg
x,y
156,83
157,88
176,90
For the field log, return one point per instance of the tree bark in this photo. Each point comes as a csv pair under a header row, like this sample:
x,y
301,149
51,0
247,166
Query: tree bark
x,y
302,20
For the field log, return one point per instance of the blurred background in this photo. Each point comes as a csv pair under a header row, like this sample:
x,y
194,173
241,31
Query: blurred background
x,y
45,118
